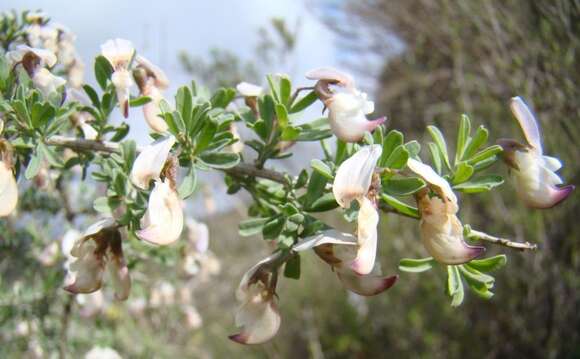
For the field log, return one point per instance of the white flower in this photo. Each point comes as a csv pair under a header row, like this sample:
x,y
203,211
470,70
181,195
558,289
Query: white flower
x,y
258,315
151,82
162,295
90,304
119,53
100,247
46,82
533,173
441,230
33,60
347,105
150,162
339,250
192,317
198,235
238,146
102,353
82,119
352,182
163,221
75,73
247,89
8,190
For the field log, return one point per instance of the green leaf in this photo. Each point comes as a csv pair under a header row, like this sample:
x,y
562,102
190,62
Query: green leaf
x,y
273,88
205,137
324,203
315,188
489,264
416,265
220,160
440,143
435,156
398,158
139,101
304,102
273,227
50,155
292,267
463,173
128,151
414,148
252,226
40,114
188,184
106,205
454,286
290,133
476,142
103,71
393,140
282,116
480,184
33,166
462,137
314,131
403,186
400,207
285,89
184,104
92,96
268,113
485,154
321,168
223,97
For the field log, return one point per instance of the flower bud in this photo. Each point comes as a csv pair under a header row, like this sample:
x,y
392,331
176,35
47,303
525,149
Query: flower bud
x,y
149,163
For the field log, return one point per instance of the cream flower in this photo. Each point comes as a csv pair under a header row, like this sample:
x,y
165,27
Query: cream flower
x,y
352,182
150,162
441,230
33,60
258,315
247,89
151,81
119,53
98,249
533,173
339,250
347,105
163,221
8,190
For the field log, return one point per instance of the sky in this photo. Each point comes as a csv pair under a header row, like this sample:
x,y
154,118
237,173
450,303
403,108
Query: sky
x,y
161,29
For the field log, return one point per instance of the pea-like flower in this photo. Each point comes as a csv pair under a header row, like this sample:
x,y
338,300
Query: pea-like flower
x,y
151,81
98,249
33,60
258,315
441,230
347,106
353,181
163,221
339,250
8,190
149,164
119,52
533,173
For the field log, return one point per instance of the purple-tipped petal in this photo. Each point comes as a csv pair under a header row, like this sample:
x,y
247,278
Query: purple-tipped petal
x,y
527,122
557,195
376,123
366,285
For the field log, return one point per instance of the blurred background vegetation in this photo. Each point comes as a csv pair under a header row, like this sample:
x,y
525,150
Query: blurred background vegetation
x,y
439,59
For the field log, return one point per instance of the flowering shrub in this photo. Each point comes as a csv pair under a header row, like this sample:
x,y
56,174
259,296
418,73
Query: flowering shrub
x,y
53,122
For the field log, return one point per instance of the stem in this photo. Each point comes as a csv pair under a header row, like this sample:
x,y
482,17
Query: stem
x,y
520,246
297,91
78,144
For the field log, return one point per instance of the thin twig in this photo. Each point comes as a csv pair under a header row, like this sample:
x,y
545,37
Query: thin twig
x,y
520,246
65,321
79,144
298,90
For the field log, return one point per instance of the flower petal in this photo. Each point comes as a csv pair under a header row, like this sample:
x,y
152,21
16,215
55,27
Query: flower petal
x,y
247,89
118,51
86,270
120,277
163,221
444,241
150,162
527,122
366,285
46,82
151,110
47,57
430,176
123,81
332,75
258,318
347,115
552,163
245,283
353,177
161,80
368,220
8,190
